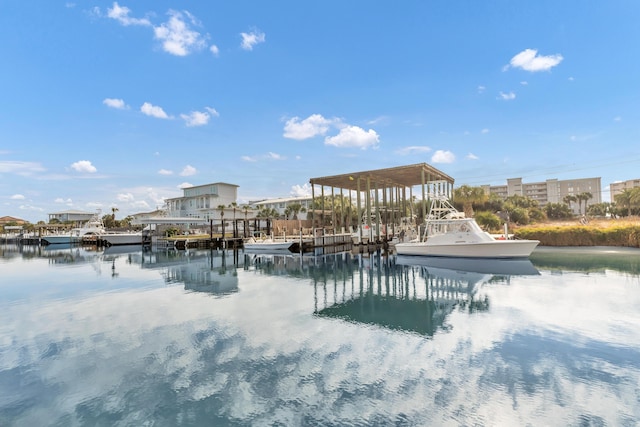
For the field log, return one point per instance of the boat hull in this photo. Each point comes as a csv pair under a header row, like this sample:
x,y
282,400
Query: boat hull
x,y
502,249
122,239
271,246
62,239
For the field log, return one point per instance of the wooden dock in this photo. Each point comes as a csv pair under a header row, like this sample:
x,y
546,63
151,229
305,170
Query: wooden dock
x,y
320,239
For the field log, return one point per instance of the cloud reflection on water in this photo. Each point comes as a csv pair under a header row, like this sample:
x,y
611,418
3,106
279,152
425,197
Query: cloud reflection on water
x,y
543,352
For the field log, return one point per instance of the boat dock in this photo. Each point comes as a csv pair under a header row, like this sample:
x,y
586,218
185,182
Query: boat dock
x,y
302,243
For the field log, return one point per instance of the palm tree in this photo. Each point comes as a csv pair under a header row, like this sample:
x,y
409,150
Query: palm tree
x,y
287,212
623,200
635,198
569,198
469,196
246,209
234,205
583,197
296,208
221,208
113,213
629,200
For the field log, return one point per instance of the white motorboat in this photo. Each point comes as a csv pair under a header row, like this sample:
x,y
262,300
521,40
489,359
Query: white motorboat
x,y
449,233
93,227
133,238
264,243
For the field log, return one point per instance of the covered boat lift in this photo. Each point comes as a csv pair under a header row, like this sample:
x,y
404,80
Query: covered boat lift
x,y
381,190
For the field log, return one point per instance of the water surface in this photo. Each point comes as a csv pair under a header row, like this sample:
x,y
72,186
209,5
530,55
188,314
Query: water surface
x,y
126,337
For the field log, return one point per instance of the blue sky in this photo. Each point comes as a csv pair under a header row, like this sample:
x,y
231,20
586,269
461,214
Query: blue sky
x,y
121,104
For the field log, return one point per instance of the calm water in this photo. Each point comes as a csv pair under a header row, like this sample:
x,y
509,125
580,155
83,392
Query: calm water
x,y
118,338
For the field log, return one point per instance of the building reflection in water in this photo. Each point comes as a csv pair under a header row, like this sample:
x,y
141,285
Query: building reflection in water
x,y
209,271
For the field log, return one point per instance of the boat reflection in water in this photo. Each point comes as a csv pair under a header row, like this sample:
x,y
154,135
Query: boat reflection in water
x,y
412,294
508,267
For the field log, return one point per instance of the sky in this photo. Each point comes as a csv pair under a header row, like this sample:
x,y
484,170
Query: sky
x,y
122,104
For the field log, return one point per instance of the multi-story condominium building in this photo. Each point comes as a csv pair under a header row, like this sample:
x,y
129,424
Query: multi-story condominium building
x,y
204,201
619,187
550,191
281,204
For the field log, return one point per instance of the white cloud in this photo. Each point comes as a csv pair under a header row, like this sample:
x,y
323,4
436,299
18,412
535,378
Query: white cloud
x,y
481,89
115,103
249,40
472,156
379,120
17,197
301,190
617,119
249,159
125,197
524,83
413,149
507,96
176,35
121,14
185,185
529,60
214,50
442,156
196,118
140,204
60,200
312,126
199,118
83,166
275,156
153,111
485,130
354,136
30,208
165,172
188,171
583,138
21,168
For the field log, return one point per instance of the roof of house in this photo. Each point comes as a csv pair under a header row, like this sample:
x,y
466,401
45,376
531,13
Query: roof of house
x,y
7,219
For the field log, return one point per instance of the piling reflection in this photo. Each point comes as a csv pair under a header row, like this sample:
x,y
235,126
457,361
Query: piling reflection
x,y
412,294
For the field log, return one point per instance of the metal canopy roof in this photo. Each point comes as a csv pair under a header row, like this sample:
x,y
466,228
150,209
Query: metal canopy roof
x,y
400,176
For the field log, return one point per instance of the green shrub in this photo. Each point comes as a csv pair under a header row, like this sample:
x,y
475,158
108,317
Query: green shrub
x,y
579,235
519,216
487,220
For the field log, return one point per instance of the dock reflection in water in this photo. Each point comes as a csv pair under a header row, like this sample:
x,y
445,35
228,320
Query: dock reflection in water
x,y
413,294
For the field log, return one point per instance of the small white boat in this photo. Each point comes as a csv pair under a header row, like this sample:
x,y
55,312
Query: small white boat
x,y
448,233
93,227
264,243
134,238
